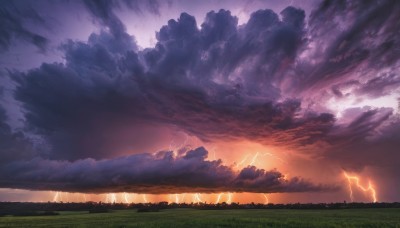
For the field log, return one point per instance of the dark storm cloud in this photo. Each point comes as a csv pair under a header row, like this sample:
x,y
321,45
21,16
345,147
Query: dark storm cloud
x,y
146,173
217,82
13,20
220,78
152,6
248,58
350,38
102,11
80,112
13,145
101,88
251,179
370,140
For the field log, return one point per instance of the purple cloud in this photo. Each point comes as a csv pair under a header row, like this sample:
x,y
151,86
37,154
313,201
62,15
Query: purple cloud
x,y
146,173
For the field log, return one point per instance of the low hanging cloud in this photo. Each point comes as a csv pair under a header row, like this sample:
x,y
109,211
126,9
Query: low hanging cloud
x,y
149,173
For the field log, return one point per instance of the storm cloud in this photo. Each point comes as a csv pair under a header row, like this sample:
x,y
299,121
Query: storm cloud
x,y
148,173
13,19
272,80
100,87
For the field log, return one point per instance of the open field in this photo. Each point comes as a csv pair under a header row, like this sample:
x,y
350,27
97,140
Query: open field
x,y
388,217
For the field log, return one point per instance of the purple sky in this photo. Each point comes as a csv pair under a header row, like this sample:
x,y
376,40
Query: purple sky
x,y
168,97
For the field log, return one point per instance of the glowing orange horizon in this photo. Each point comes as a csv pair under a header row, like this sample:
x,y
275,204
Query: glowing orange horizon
x,y
142,198
222,197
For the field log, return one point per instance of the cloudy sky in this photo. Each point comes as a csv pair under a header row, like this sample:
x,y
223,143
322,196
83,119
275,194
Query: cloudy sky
x,y
183,101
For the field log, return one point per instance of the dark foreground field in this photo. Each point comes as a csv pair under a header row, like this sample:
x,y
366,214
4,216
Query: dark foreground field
x,y
389,217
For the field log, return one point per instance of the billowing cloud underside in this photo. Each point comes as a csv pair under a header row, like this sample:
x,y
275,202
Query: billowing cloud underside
x,y
145,173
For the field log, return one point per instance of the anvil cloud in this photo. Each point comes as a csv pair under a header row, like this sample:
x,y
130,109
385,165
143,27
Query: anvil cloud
x,y
290,79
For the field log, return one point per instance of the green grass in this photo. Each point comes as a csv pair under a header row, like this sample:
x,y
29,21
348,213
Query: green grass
x,y
214,218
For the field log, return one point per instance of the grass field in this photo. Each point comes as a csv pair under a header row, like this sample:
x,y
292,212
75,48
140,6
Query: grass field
x,y
214,218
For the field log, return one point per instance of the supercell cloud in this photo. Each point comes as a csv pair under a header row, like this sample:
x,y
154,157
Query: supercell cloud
x,y
322,82
146,173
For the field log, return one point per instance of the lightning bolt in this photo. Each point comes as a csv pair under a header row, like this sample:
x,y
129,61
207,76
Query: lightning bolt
x,y
214,156
254,159
56,196
229,201
266,198
184,142
274,156
113,198
242,161
126,197
173,147
255,156
197,198
176,199
356,180
218,198
145,198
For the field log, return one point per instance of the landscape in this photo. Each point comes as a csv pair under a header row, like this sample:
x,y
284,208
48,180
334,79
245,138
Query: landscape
x,y
175,113
162,214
